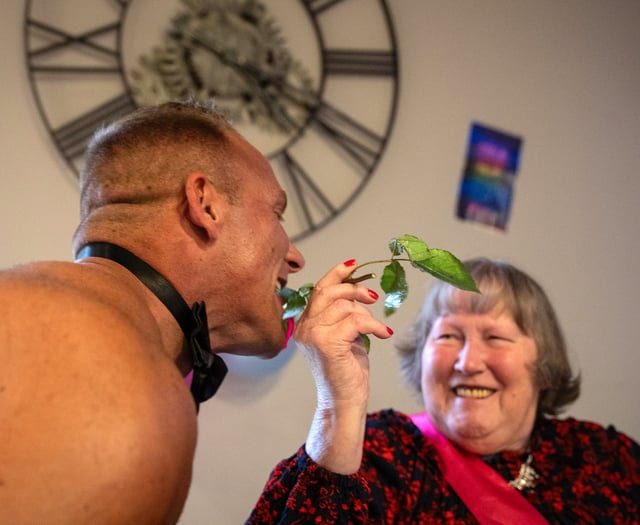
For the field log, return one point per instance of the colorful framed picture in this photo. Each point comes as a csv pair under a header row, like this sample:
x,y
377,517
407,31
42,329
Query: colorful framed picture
x,y
486,189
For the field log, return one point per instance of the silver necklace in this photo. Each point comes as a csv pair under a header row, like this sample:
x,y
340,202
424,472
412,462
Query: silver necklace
x,y
526,477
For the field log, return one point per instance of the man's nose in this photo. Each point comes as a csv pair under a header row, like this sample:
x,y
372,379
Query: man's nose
x,y
295,259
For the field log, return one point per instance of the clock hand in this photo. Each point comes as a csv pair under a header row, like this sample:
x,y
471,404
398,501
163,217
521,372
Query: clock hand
x,y
357,140
259,82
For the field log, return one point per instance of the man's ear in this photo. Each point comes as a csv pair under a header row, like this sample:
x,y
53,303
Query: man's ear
x,y
204,204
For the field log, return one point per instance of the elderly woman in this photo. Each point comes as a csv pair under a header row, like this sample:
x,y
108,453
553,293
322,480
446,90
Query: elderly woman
x,y
493,372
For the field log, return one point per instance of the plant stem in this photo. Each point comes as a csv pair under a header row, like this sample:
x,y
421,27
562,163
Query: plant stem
x,y
354,280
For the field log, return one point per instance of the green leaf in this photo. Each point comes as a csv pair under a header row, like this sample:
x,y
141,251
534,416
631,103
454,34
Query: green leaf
x,y
295,301
366,341
395,247
447,267
394,283
417,249
305,290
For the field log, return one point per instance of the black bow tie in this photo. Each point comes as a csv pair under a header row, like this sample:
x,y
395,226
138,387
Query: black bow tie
x,y
208,368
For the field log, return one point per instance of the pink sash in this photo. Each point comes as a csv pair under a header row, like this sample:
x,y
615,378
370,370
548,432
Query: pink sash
x,y
485,493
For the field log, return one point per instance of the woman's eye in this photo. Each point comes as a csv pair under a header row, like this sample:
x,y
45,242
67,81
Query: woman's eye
x,y
498,337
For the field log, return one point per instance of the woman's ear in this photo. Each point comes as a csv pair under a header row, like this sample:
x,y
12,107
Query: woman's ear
x,y
204,205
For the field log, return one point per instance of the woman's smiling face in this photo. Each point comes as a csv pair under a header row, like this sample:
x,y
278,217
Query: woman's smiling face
x,y
478,380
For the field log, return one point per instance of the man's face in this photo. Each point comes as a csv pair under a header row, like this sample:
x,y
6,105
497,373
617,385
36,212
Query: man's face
x,y
258,258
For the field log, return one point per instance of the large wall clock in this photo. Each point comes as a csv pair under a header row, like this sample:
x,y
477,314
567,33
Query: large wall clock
x,y
312,83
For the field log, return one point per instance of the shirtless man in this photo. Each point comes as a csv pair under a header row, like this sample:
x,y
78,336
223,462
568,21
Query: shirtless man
x,y
97,424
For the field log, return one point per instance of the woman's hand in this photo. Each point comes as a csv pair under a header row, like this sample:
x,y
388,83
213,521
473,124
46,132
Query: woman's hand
x,y
329,334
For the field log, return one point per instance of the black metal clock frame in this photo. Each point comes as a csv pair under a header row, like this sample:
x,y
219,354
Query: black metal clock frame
x,y
361,145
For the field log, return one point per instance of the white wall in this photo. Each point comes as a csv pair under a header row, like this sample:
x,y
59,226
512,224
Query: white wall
x,y
564,75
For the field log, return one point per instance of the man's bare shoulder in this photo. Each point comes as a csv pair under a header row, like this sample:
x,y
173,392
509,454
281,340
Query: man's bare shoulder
x,y
85,298
92,416
66,311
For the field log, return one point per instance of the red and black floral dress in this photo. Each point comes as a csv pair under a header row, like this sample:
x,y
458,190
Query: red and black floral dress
x,y
587,475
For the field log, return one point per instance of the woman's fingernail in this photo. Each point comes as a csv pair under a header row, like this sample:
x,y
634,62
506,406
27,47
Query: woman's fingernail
x,y
389,331
372,294
350,262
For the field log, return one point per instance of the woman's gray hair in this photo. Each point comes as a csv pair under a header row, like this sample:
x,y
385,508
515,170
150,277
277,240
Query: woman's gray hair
x,y
504,285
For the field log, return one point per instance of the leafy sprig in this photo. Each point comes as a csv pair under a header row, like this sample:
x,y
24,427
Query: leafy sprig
x,y
440,263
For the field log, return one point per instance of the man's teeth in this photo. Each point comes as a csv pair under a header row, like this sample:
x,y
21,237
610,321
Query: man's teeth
x,y
477,393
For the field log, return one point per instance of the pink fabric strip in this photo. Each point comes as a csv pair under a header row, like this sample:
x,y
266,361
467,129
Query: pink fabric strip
x,y
485,493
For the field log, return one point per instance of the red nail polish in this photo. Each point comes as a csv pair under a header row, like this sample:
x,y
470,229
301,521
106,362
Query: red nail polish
x,y
372,294
389,331
350,262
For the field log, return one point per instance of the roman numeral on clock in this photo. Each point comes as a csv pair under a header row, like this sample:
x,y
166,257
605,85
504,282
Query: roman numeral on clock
x,y
60,47
308,195
317,6
72,136
361,143
360,62
58,55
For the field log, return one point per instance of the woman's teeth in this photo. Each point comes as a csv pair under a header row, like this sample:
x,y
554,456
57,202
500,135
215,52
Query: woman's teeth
x,y
477,393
